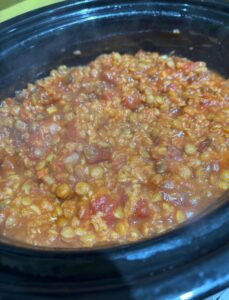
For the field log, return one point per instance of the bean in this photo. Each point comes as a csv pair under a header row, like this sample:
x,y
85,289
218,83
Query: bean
x,y
205,156
67,232
97,172
49,180
156,197
40,165
58,211
75,222
170,63
157,179
160,167
190,149
145,229
82,188
168,208
118,213
134,235
63,191
224,185
185,172
160,100
224,175
26,201
36,209
11,221
162,150
80,231
88,239
51,109
160,229
180,216
150,99
62,221
122,228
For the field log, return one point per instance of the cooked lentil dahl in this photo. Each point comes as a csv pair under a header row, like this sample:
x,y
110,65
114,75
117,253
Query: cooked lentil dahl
x,y
124,148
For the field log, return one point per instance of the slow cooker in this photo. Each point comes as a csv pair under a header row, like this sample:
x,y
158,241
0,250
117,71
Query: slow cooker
x,y
190,262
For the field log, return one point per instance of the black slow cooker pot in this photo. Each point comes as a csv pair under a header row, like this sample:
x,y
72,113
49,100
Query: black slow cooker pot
x,y
190,262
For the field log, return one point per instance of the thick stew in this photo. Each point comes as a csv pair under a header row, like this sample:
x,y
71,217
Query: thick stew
x,y
122,149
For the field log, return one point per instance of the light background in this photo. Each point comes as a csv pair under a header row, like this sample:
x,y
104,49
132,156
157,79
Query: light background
x,y
12,8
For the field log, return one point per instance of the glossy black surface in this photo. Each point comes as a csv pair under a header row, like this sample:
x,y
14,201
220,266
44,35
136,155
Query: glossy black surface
x,y
194,258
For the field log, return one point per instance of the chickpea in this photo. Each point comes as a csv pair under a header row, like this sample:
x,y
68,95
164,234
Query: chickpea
x,y
63,191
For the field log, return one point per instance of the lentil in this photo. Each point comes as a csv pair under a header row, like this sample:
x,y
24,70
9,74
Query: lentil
x,y
63,191
190,149
67,232
122,149
97,172
225,175
82,188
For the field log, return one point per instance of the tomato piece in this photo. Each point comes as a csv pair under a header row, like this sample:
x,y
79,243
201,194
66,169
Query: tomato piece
x,y
71,132
24,114
132,101
108,95
104,204
175,153
142,209
109,75
42,173
207,101
118,162
95,154
188,66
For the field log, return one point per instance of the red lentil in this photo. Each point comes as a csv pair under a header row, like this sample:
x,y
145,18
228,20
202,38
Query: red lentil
x,y
124,148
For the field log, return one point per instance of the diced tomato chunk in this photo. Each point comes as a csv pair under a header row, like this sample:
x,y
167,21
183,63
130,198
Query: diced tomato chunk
x,y
95,154
109,75
104,204
132,101
142,209
108,95
175,153
71,132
